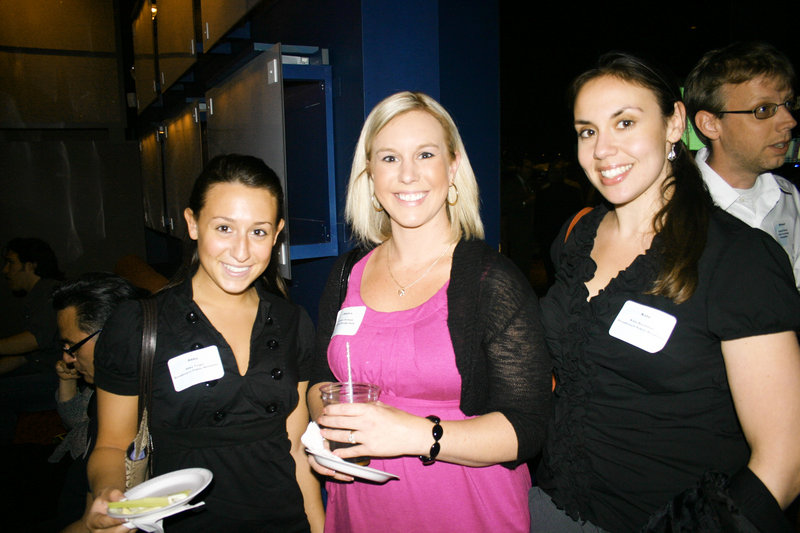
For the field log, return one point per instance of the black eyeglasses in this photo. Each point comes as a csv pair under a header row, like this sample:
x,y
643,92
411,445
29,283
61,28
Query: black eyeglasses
x,y
77,346
765,111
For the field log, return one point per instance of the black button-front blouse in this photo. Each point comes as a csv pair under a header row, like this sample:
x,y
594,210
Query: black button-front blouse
x,y
234,426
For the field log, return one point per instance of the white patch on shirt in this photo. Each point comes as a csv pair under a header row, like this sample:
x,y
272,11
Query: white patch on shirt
x,y
349,319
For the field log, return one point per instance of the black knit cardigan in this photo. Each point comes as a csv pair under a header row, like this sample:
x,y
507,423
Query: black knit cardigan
x,y
495,326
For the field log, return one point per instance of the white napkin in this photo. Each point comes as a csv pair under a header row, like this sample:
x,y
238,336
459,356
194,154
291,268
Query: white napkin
x,y
153,523
314,442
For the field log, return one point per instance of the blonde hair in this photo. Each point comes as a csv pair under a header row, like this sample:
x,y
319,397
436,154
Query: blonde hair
x,y
371,227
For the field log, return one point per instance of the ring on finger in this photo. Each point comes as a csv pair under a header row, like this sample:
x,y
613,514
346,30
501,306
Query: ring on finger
x,y
350,438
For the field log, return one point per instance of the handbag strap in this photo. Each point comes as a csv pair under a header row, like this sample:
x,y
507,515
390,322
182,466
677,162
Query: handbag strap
x,y
344,276
575,219
149,328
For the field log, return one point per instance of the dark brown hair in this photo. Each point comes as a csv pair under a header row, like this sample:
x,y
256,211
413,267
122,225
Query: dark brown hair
x,y
33,250
682,223
251,172
94,296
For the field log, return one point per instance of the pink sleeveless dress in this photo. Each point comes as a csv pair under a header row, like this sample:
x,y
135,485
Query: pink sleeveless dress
x,y
410,356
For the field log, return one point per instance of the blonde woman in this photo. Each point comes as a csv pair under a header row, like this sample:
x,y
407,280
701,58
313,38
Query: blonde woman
x,y
450,332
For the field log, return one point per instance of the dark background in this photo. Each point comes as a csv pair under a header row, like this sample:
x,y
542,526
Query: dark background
x,y
544,45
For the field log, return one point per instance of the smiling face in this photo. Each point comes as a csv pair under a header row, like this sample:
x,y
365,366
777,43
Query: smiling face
x,y
743,146
411,171
71,334
624,139
235,232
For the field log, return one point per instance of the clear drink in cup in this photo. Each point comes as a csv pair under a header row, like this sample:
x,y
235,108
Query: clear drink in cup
x,y
349,393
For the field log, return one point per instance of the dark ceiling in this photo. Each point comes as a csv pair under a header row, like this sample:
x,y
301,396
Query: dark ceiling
x,y
543,47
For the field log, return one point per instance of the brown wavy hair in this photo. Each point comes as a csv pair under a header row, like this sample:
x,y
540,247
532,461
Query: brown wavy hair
x,y
682,222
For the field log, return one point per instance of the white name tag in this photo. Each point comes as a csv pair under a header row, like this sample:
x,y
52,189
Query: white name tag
x,y
642,326
195,367
783,233
348,320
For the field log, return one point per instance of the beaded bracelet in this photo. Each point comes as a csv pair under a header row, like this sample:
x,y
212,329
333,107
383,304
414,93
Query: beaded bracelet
x,y
437,434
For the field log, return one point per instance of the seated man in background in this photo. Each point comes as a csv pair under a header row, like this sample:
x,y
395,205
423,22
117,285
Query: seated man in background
x,y
83,305
27,357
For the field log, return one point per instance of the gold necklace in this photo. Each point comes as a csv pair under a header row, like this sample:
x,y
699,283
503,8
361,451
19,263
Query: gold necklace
x,y
401,291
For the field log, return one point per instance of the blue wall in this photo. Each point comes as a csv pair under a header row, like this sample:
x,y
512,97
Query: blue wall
x,y
448,49
400,48
469,55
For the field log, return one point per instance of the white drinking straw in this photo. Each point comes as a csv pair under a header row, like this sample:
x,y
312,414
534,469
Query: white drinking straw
x,y
349,371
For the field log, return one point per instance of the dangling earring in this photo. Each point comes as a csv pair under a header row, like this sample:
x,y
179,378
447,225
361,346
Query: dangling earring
x,y
454,202
672,155
376,205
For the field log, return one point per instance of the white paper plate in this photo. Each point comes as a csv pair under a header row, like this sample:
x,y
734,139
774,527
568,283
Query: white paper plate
x,y
192,479
352,469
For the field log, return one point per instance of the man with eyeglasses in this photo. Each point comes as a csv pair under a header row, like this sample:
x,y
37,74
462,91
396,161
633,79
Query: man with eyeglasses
x,y
741,102
82,307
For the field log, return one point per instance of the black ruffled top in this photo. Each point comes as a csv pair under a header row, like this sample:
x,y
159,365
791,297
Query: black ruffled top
x,y
632,429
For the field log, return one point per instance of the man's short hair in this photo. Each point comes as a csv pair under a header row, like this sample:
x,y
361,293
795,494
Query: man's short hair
x,y
736,63
95,296
33,250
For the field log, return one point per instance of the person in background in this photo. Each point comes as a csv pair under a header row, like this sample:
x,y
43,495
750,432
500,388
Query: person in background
x,y
671,325
27,357
740,100
450,332
82,307
238,408
517,194
558,197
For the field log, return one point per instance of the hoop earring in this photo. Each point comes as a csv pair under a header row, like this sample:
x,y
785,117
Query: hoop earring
x,y
376,205
451,204
672,155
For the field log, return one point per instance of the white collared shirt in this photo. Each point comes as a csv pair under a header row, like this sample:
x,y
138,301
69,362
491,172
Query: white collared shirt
x,y
772,205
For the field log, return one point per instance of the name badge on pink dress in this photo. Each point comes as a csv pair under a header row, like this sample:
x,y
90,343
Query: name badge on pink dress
x,y
645,327
348,320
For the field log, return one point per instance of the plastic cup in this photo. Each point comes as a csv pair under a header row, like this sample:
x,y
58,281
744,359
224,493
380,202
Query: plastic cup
x,y
349,393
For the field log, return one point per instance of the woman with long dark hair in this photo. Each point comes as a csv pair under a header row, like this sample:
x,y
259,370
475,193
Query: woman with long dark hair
x,y
246,425
671,326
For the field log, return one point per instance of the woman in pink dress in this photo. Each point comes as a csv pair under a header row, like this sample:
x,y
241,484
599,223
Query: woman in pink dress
x,y
447,327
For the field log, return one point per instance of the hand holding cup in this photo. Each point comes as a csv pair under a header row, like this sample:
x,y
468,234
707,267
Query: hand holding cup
x,y
334,393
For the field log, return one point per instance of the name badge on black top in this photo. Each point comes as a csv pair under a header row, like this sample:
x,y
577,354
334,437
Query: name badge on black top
x,y
197,366
645,327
